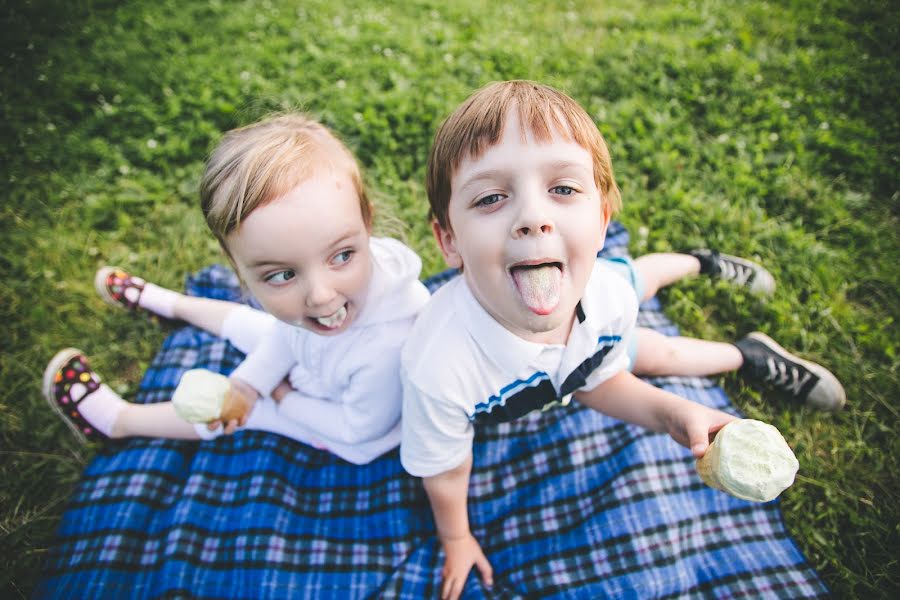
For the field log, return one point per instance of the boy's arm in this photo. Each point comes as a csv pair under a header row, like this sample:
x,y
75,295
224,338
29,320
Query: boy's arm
x,y
630,399
448,493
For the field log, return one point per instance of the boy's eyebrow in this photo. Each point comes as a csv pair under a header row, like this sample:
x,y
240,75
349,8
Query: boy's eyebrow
x,y
482,175
558,165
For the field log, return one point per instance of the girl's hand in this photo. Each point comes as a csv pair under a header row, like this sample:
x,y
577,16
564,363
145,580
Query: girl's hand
x,y
238,404
693,425
282,390
462,553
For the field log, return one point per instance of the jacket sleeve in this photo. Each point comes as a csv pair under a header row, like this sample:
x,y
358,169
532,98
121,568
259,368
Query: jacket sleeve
x,y
267,364
365,409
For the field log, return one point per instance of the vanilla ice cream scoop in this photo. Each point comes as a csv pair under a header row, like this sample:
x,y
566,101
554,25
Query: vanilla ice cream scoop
x,y
203,396
750,460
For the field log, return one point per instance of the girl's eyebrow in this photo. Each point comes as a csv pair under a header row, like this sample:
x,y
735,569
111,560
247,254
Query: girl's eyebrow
x,y
264,262
349,235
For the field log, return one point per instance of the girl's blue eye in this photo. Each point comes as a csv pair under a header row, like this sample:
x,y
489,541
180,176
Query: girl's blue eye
x,y
342,257
280,277
488,200
562,190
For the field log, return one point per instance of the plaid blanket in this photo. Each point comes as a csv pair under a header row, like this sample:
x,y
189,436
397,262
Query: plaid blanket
x,y
567,504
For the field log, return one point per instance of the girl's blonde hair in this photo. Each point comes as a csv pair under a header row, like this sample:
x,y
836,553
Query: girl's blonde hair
x,y
477,124
258,163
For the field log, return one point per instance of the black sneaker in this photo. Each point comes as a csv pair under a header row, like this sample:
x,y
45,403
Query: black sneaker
x,y
739,271
805,381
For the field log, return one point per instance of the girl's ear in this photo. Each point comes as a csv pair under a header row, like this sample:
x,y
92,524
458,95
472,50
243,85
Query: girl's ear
x,y
447,244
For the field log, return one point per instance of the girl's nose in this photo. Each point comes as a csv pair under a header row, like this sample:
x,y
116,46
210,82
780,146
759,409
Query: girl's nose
x,y
319,293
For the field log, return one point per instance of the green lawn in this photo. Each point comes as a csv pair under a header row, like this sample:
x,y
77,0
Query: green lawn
x,y
761,129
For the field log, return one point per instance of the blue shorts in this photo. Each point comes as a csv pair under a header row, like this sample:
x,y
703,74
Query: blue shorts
x,y
624,266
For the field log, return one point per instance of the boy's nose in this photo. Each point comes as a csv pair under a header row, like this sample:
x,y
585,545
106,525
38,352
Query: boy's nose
x,y
532,219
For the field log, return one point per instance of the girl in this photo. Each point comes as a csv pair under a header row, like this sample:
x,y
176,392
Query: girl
x,y
286,201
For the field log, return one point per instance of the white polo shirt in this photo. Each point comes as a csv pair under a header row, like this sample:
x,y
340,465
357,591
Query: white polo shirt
x,y
461,368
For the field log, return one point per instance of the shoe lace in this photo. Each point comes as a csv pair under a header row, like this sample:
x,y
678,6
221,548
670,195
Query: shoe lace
x,y
731,271
787,376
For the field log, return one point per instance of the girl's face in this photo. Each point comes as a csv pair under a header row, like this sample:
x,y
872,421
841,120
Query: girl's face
x,y
305,256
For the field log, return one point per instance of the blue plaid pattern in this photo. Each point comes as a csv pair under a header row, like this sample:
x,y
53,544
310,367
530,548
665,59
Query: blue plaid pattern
x,y
567,504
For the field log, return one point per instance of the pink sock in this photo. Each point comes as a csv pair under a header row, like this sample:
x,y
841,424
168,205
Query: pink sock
x,y
101,408
158,300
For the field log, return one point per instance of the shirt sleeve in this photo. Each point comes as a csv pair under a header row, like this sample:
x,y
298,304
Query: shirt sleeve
x,y
436,434
365,409
618,342
267,364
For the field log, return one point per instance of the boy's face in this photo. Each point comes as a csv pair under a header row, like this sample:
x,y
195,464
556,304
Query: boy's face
x,y
305,256
526,223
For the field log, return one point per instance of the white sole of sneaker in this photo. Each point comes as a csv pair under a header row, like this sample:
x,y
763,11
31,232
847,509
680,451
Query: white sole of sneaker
x,y
831,387
56,363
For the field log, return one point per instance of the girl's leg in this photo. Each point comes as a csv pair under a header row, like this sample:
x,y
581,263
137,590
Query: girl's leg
x,y
119,288
157,420
659,355
94,411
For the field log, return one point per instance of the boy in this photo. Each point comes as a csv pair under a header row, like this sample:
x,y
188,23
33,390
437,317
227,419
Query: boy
x,y
521,190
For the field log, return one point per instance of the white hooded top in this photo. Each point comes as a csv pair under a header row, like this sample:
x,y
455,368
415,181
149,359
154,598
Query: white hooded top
x,y
348,392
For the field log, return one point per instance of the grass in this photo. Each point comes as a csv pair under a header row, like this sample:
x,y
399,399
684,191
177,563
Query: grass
x,y
763,129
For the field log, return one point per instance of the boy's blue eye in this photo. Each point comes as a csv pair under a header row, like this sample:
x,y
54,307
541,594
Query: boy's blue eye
x,y
488,200
562,190
342,257
280,277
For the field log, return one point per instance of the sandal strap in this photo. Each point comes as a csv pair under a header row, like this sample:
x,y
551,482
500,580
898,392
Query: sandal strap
x,y
119,283
76,372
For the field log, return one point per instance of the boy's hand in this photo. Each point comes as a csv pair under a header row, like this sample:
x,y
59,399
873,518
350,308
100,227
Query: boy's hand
x,y
691,425
462,553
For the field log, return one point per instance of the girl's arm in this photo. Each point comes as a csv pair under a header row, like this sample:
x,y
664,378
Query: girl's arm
x,y
267,364
365,409
630,399
448,493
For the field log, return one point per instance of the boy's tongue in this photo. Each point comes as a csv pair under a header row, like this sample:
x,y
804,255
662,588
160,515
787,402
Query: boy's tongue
x,y
539,287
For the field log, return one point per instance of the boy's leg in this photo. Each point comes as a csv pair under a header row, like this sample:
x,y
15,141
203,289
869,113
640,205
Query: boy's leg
x,y
119,288
659,355
757,357
92,410
661,269
765,362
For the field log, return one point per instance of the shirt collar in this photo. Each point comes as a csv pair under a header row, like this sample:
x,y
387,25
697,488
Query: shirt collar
x,y
510,352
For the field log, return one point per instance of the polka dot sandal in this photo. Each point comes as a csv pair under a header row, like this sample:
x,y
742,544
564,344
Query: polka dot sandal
x,y
68,379
118,288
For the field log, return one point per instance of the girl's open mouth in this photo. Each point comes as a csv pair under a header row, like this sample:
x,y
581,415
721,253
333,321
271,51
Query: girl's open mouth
x,y
334,320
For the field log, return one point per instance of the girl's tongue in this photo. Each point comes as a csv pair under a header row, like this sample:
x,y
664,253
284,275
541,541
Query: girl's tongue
x,y
538,286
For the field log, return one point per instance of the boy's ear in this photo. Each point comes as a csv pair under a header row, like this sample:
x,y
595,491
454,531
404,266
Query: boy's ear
x,y
447,244
606,215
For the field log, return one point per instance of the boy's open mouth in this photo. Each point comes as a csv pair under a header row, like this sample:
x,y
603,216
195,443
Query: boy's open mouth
x,y
334,320
538,285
